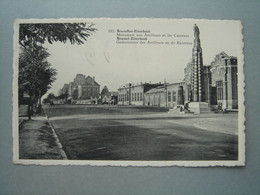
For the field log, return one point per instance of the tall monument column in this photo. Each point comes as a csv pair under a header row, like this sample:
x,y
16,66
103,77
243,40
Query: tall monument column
x,y
197,64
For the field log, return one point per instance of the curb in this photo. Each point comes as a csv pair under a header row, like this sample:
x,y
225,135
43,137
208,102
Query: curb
x,y
20,122
57,140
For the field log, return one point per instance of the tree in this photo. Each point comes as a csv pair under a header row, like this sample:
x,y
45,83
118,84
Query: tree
x,y
35,75
75,94
104,90
38,33
35,72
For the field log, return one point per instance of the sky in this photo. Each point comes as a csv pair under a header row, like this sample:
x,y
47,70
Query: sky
x,y
115,64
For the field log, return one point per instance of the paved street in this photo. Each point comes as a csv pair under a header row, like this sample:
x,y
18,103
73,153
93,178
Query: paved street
x,y
132,133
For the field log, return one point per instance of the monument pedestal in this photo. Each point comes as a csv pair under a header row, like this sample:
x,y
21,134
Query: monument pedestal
x,y
199,107
177,110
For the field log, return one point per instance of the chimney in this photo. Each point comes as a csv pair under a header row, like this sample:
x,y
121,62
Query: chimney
x,y
93,78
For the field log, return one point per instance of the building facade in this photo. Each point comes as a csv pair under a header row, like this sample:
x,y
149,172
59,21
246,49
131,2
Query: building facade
x,y
224,81
156,97
83,90
169,95
175,94
133,94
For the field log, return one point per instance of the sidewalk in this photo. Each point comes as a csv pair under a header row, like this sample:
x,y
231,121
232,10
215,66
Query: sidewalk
x,y
37,139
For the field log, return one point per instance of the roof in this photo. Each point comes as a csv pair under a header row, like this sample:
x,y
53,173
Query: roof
x,y
132,85
160,89
177,83
93,80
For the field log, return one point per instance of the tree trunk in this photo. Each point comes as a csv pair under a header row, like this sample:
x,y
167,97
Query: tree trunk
x,y
29,109
39,105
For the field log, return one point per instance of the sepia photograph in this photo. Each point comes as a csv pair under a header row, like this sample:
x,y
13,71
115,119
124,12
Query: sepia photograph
x,y
128,92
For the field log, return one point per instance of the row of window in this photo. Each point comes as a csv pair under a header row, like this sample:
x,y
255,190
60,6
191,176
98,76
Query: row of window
x,y
134,97
139,97
171,95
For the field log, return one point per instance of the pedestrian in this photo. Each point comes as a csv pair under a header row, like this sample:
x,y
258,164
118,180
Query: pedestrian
x,y
186,107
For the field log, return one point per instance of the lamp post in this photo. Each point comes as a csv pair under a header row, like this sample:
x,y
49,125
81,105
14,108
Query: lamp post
x,y
165,91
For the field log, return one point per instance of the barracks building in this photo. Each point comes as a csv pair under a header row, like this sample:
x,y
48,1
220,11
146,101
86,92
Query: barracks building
x,y
83,90
203,86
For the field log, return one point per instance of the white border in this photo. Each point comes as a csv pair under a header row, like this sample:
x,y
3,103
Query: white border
x,y
241,105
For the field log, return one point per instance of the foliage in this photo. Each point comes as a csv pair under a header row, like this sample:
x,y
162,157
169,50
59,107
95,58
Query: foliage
x,y
75,95
104,90
35,72
50,97
63,96
53,32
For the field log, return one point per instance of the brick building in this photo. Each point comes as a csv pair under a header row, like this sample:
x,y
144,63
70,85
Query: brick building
x,y
82,90
224,81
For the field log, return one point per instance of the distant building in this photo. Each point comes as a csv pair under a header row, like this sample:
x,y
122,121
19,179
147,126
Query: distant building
x,y
83,90
156,97
224,81
168,95
110,98
132,94
175,94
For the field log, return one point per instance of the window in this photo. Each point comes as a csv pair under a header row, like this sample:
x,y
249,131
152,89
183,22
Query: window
x,y
137,96
169,96
174,96
219,85
141,96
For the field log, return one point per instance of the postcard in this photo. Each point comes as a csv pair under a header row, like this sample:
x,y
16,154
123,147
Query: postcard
x,y
128,92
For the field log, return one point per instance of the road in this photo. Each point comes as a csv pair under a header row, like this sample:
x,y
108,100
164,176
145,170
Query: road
x,y
112,133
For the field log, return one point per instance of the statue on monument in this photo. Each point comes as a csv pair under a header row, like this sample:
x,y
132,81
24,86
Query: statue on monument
x,y
196,31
